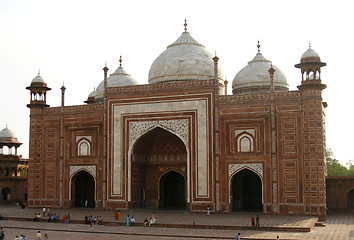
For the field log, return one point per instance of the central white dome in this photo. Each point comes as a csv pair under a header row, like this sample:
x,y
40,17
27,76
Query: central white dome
x,y
184,60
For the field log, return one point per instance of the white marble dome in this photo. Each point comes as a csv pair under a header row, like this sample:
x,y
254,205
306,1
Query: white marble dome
x,y
7,135
255,77
117,79
38,79
184,60
310,56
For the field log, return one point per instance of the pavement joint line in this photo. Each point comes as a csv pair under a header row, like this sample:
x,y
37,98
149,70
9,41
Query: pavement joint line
x,y
118,233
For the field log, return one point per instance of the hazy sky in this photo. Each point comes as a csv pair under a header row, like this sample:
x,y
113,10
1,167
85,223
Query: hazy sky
x,y
70,41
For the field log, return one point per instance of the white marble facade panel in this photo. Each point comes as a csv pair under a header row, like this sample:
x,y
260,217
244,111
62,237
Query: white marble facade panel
x,y
165,108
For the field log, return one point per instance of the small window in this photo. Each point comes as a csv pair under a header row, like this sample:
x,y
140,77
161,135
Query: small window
x,y
84,148
245,143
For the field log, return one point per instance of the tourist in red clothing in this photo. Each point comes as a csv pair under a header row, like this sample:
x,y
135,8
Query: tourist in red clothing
x,y
253,221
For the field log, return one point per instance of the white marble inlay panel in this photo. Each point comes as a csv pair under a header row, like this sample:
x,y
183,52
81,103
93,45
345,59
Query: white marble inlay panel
x,y
252,132
235,167
178,126
87,137
90,168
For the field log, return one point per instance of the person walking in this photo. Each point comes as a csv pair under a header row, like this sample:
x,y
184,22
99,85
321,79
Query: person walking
x,y
257,220
43,211
238,236
46,236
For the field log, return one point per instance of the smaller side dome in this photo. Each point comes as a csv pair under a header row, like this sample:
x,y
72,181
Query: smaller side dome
x,y
8,135
254,77
117,79
310,56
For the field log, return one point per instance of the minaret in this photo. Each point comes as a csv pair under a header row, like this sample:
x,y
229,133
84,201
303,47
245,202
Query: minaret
x,y
273,130
313,133
61,147
104,178
310,65
38,90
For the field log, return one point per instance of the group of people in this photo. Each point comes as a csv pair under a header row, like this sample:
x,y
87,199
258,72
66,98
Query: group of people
x,y
255,222
39,236
93,220
151,221
131,220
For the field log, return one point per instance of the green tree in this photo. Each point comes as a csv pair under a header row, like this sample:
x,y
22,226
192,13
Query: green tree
x,y
334,168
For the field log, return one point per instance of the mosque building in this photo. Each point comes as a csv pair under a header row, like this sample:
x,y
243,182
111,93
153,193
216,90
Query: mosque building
x,y
182,142
13,169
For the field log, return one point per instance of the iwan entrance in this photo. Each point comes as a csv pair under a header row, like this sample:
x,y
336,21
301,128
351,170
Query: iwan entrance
x,y
158,171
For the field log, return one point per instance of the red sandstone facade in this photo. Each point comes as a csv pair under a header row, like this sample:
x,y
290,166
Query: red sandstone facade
x,y
182,144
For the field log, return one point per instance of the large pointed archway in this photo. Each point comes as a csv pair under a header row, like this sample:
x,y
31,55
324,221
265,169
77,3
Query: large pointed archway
x,y
246,190
172,191
155,153
83,190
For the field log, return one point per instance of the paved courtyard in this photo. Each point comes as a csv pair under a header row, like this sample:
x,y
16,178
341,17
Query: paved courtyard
x,y
338,226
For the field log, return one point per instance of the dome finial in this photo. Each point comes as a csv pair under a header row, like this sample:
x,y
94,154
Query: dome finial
x,y
258,46
309,44
120,61
185,25
39,72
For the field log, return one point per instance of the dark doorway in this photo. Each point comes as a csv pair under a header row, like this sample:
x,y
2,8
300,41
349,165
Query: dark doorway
x,y
83,190
246,191
172,191
5,194
351,199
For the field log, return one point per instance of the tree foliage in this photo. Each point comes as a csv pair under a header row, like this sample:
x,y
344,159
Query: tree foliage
x,y
334,168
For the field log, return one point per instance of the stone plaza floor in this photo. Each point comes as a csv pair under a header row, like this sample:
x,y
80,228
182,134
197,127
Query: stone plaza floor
x,y
225,226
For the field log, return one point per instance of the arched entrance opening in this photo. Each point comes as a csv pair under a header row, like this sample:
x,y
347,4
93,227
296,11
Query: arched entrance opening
x,y
351,199
172,191
6,194
83,190
155,153
246,188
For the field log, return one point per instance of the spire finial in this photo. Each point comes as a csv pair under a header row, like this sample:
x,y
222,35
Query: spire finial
x,y
309,44
39,72
258,46
185,25
120,61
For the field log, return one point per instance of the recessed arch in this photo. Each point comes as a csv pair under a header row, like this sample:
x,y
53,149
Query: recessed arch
x,y
172,190
83,147
155,152
351,199
246,190
83,189
6,194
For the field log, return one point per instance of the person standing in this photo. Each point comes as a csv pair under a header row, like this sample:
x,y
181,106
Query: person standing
x,y
43,211
132,221
208,210
128,221
253,221
118,215
154,217
46,236
39,235
257,220
238,236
